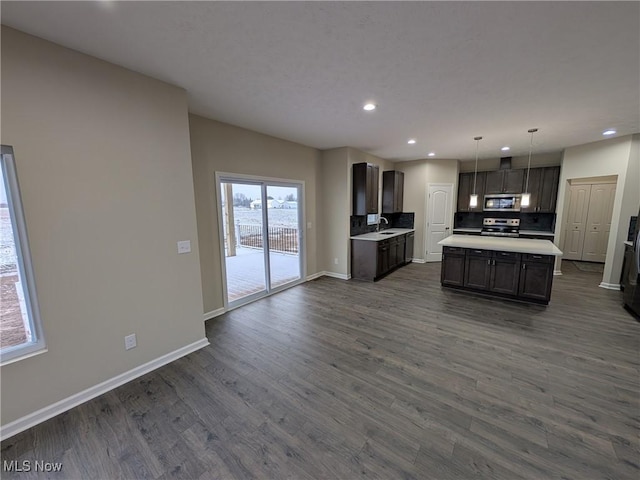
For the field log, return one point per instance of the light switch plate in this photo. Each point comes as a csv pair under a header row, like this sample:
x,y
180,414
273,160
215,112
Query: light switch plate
x,y
184,246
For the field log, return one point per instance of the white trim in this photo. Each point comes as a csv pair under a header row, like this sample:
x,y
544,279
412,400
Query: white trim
x,y
418,260
610,286
557,272
314,276
341,276
39,416
214,313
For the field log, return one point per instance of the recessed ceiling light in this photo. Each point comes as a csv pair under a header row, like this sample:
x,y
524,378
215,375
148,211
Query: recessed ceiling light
x,y
609,132
369,106
411,141
431,154
504,149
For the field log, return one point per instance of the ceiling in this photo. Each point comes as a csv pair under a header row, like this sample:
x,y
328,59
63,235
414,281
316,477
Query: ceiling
x,y
440,72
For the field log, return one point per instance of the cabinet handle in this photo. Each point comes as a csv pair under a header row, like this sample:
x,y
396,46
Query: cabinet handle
x,y
536,256
477,251
524,266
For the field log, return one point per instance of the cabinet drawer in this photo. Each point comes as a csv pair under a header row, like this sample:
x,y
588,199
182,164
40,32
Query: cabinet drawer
x,y
507,255
479,253
530,257
453,250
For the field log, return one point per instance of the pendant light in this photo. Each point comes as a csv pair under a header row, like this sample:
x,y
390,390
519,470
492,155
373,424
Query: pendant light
x,y
525,199
473,199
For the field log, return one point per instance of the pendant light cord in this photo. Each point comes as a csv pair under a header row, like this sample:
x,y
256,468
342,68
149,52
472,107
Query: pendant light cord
x,y
475,174
531,131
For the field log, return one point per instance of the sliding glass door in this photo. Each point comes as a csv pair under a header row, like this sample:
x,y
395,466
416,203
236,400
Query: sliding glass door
x,y
261,232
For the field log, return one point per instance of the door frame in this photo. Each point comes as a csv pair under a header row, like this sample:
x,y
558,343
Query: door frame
x,y
263,182
426,214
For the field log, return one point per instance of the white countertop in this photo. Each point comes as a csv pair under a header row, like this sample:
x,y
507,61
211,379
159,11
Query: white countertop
x,y
520,245
470,230
628,243
382,235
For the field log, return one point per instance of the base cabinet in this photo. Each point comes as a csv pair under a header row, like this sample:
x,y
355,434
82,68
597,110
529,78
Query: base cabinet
x,y
536,277
371,260
452,272
523,276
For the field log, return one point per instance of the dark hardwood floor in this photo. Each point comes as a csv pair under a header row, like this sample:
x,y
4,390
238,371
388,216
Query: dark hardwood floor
x,y
397,379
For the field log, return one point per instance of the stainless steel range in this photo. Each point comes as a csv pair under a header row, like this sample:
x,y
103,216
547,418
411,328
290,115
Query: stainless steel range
x,y
501,227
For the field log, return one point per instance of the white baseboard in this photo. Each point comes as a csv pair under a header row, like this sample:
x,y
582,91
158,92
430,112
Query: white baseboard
x,y
214,313
557,272
418,260
341,276
39,416
314,276
610,286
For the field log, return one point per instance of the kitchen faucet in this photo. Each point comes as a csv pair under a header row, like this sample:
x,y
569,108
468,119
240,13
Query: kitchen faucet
x,y
378,225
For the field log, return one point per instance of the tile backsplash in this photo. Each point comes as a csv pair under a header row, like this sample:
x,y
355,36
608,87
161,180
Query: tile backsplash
x,y
396,220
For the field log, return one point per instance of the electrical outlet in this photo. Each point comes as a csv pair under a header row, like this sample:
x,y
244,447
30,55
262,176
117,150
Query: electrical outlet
x,y
335,261
130,341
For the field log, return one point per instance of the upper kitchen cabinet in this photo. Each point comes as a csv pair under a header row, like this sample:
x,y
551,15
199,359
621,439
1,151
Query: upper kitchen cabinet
x,y
465,189
365,188
392,191
543,187
504,181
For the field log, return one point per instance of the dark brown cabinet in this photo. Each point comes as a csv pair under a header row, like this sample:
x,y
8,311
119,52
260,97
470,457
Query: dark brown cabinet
x,y
465,189
543,187
477,269
452,272
371,260
507,274
504,181
383,261
549,189
365,188
392,191
536,277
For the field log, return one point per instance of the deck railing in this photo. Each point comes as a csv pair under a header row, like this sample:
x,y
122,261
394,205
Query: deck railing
x,y
281,239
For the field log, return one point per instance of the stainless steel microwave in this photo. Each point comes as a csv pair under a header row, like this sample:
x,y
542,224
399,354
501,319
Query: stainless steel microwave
x,y
501,202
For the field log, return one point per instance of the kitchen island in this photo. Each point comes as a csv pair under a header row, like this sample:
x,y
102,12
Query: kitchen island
x,y
514,268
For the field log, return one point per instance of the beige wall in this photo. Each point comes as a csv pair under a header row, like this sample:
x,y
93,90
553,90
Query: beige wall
x,y
417,175
104,166
616,156
219,147
336,202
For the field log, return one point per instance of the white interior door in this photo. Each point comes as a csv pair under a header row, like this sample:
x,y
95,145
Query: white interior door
x,y
576,221
439,216
598,223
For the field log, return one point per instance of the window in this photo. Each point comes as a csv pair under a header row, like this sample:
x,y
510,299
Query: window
x,y
20,329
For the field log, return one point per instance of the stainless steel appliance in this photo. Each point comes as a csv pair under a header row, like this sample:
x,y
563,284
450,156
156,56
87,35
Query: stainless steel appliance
x,y
501,202
501,227
631,279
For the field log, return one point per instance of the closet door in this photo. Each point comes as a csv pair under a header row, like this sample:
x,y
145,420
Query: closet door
x,y
576,221
598,226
